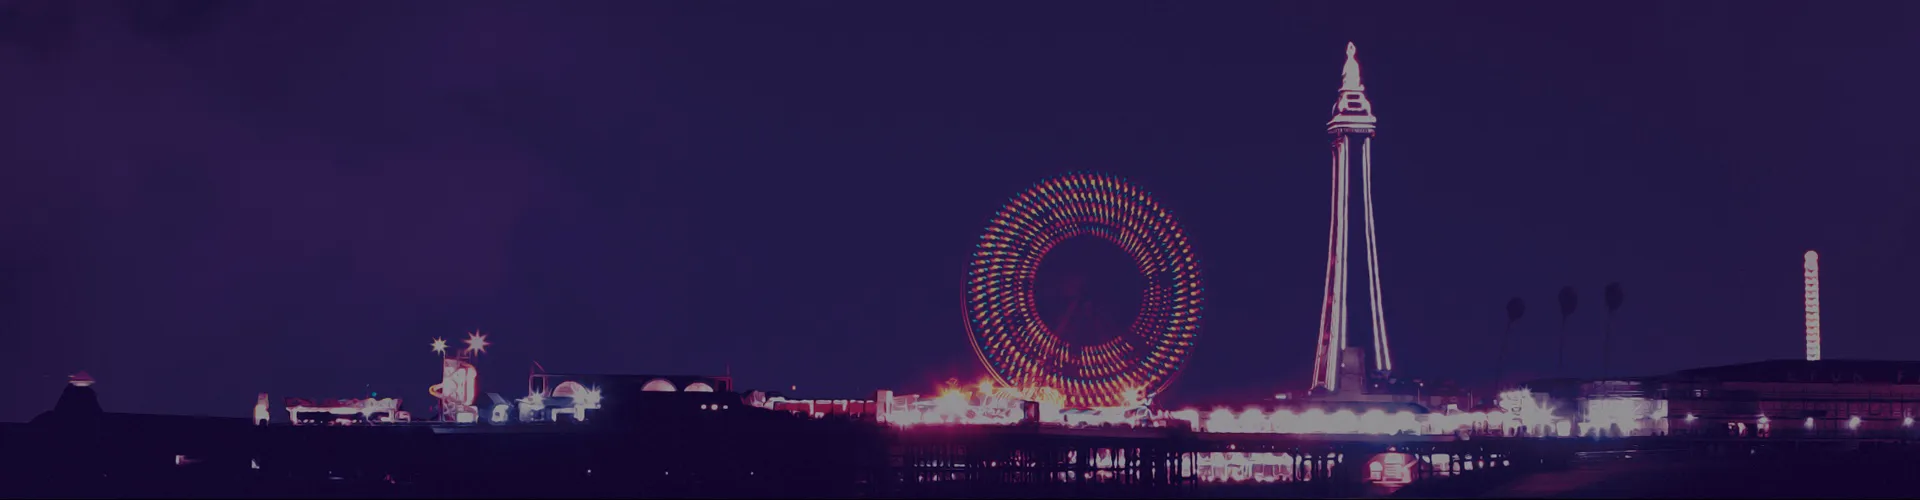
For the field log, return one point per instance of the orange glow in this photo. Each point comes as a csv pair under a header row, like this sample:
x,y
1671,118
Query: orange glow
x,y
979,404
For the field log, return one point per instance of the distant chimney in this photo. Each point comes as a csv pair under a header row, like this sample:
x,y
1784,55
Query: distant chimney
x,y
1810,272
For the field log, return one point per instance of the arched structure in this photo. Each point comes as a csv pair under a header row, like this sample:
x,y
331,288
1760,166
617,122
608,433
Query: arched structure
x,y
568,389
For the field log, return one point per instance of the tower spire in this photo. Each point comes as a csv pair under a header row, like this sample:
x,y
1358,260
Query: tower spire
x,y
1350,75
1352,113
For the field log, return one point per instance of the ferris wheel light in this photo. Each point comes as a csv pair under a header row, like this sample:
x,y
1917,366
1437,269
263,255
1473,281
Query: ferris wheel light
x,y
1016,346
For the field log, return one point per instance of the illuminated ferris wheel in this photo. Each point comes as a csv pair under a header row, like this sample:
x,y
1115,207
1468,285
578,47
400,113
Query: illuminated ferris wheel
x,y
1003,319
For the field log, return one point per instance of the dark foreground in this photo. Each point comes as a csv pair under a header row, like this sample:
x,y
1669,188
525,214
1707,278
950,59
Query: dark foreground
x,y
1824,475
766,455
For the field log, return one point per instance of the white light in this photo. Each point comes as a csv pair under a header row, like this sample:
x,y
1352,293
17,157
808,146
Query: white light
x,y
1764,420
1690,417
1853,423
1809,422
1908,422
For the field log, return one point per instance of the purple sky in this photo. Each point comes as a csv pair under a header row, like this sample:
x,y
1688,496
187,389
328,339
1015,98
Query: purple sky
x,y
200,201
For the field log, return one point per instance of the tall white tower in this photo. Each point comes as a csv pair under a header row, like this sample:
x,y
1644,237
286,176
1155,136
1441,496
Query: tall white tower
x,y
1810,272
1352,129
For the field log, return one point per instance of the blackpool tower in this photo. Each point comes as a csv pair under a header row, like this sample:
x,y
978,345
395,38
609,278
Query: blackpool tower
x,y
1352,130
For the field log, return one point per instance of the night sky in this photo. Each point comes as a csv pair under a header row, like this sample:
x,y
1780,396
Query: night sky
x,y
200,201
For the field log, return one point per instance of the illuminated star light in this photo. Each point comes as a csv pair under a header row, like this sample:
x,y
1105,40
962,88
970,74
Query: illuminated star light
x,y
477,343
440,346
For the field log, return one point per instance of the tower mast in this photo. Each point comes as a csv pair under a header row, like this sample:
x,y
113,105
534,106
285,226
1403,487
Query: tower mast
x,y
1352,128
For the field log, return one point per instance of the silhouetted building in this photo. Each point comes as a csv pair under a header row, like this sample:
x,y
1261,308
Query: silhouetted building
x,y
1796,397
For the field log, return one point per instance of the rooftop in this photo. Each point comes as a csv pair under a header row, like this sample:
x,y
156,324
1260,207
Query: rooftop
x,y
1803,371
